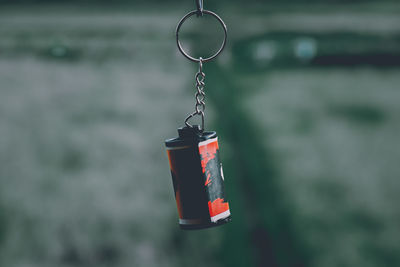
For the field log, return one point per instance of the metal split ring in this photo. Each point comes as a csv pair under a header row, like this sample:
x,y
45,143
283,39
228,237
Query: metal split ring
x,y
188,15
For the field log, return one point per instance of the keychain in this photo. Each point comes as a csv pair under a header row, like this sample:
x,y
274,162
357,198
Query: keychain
x,y
196,170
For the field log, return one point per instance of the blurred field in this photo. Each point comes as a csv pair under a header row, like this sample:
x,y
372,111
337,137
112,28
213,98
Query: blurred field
x,y
333,137
87,98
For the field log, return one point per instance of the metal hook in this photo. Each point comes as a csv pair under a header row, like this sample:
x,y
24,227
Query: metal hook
x,y
199,4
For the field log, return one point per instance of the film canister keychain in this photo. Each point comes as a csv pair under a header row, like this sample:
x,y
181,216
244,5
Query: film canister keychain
x,y
196,169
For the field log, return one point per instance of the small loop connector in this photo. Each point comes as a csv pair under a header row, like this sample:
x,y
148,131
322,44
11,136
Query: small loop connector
x,y
199,4
200,65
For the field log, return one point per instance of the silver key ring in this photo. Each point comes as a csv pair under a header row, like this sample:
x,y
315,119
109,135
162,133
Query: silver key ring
x,y
188,15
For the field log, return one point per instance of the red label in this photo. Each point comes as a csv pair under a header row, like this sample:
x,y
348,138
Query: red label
x,y
218,207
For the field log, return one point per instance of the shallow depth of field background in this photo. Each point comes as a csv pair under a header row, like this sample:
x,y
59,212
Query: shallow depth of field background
x,y
305,100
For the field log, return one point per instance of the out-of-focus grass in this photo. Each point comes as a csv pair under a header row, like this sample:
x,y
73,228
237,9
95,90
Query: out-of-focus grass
x,y
333,133
84,175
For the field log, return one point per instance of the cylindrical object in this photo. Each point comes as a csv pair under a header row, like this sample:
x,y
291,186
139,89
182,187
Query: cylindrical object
x,y
198,179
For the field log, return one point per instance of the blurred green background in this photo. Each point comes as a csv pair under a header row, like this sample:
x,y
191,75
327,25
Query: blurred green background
x,y
305,100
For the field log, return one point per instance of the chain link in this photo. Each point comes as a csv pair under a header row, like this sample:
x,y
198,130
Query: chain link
x,y
200,105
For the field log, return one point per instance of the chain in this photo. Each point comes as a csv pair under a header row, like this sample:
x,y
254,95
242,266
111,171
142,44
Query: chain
x,y
200,97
